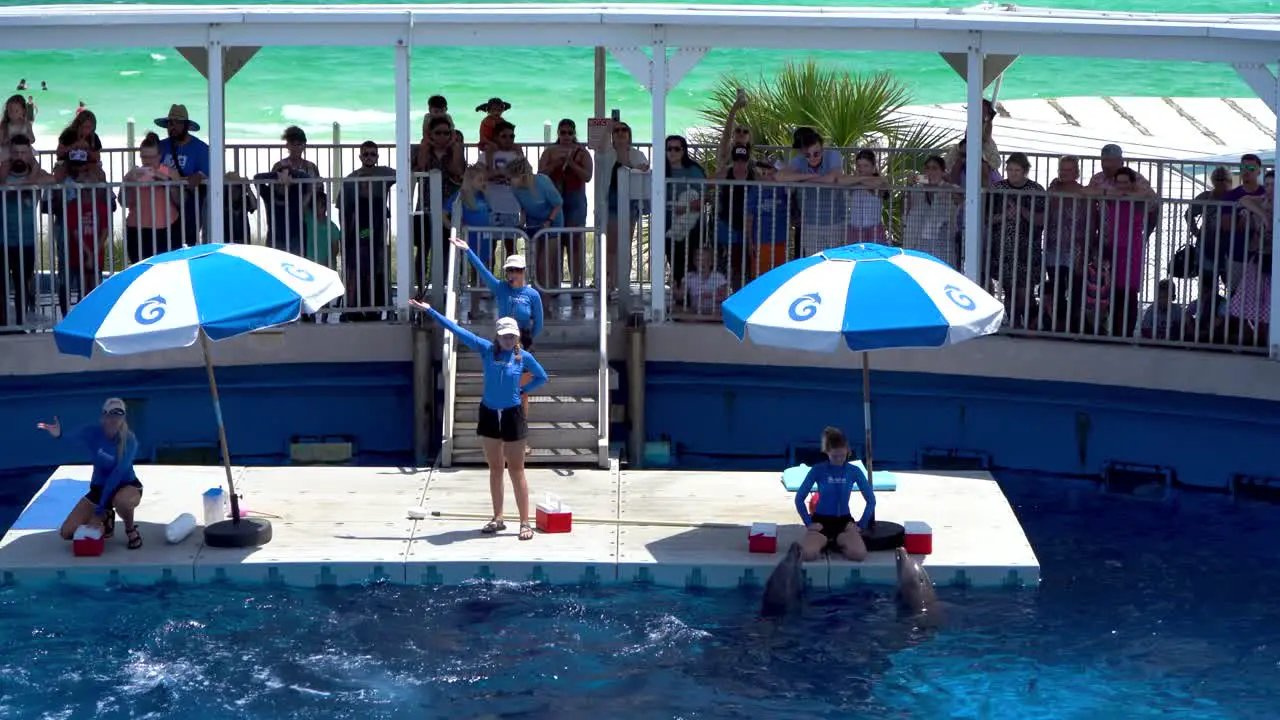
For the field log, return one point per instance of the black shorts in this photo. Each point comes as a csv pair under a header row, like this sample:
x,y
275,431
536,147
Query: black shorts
x,y
833,526
526,339
506,425
95,491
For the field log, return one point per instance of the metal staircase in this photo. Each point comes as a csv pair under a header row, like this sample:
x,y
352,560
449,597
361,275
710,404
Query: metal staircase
x,y
568,417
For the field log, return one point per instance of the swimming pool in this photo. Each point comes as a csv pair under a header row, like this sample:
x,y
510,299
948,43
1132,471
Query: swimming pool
x,y
1146,610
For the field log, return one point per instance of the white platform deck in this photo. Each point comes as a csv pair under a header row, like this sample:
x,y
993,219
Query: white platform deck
x,y
348,525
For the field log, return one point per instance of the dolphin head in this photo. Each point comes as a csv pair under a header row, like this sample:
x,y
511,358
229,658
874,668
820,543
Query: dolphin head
x,y
904,561
793,553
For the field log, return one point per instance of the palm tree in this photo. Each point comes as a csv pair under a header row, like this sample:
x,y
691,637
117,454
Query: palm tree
x,y
849,110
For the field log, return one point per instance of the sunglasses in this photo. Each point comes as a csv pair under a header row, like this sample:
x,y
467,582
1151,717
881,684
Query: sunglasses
x,y
1249,168
568,133
741,131
675,148
813,154
507,136
368,154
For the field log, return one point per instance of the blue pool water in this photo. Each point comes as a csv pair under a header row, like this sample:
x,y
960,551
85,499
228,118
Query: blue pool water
x,y
1147,610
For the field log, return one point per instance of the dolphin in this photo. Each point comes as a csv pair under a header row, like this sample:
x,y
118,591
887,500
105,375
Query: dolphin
x,y
782,591
915,588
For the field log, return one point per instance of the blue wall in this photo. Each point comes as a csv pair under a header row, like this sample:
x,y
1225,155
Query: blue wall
x,y
749,416
263,407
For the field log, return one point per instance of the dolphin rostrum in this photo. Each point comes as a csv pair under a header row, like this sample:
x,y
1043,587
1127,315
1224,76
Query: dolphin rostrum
x,y
782,591
915,587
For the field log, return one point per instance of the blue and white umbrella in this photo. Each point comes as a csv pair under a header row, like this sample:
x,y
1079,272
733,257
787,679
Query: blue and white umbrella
x,y
201,293
862,297
215,291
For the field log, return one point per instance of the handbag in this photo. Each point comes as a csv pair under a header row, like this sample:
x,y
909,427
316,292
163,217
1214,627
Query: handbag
x,y
1185,262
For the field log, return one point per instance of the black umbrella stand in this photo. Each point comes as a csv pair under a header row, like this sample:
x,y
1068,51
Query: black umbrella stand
x,y
238,532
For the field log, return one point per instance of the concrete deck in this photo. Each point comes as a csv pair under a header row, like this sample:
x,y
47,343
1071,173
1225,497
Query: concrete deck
x,y
348,525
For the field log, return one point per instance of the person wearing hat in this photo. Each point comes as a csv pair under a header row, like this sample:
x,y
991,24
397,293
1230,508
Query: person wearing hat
x,y
493,115
114,487
501,424
990,152
188,155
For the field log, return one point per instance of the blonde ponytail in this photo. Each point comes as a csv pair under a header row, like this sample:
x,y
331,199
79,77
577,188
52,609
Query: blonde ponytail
x,y
122,440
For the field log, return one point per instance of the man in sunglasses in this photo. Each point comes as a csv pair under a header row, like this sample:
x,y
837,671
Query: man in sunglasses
x,y
362,200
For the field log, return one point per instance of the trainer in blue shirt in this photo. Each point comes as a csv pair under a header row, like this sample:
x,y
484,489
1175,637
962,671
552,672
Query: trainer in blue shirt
x,y
114,487
832,524
501,422
515,298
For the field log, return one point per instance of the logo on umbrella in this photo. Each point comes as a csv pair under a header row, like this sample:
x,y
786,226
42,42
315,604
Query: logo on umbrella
x,y
805,307
957,296
150,311
297,272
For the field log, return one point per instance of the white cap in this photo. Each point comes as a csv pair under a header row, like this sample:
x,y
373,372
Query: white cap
x,y
514,262
113,406
508,326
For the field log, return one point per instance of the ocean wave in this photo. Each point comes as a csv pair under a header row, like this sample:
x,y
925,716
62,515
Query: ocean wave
x,y
130,73
158,57
307,115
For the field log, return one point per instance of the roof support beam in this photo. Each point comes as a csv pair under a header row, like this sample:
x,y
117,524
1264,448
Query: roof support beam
x,y
233,59
675,67
1261,80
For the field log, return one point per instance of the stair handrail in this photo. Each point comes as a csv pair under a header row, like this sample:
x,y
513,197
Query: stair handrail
x,y
449,356
602,314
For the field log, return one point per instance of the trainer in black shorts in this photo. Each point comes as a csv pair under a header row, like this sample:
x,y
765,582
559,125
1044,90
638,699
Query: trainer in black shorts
x,y
833,526
507,425
95,491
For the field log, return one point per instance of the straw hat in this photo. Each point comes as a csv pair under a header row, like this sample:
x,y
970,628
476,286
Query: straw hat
x,y
178,112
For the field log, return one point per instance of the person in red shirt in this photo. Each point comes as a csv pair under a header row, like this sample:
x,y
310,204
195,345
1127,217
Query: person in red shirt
x,y
495,107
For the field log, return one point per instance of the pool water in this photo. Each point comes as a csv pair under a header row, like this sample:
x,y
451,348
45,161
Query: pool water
x,y
1146,610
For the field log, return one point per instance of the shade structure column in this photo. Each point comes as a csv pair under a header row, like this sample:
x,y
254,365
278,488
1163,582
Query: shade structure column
x,y
973,163
658,211
1273,342
404,184
215,231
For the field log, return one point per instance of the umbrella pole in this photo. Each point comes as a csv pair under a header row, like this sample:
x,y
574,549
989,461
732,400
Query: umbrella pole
x,y
866,411
222,430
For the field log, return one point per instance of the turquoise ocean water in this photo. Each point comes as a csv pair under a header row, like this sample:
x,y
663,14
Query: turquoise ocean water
x,y
315,87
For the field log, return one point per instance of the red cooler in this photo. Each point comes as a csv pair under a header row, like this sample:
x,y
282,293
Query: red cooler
x,y
763,538
88,542
554,516
919,537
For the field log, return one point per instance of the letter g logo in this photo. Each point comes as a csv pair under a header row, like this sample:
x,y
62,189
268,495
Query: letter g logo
x,y
151,311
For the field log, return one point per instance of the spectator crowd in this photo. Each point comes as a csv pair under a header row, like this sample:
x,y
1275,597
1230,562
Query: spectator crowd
x,y
1078,256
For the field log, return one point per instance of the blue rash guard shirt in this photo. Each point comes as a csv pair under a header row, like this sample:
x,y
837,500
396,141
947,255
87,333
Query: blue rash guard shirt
x,y
502,371
524,304
109,471
835,487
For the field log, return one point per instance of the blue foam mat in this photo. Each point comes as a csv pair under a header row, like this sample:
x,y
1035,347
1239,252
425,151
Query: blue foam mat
x,y
52,505
882,481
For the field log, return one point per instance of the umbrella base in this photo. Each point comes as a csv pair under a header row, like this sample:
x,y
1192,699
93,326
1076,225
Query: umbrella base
x,y
249,532
884,535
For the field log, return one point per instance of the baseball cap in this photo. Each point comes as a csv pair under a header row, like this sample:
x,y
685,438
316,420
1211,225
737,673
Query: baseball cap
x,y
514,262
508,326
1112,150
113,406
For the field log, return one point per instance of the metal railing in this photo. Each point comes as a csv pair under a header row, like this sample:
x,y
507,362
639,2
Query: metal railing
x,y
1080,264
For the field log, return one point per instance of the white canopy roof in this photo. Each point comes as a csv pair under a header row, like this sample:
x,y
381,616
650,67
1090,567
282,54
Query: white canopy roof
x,y
1005,29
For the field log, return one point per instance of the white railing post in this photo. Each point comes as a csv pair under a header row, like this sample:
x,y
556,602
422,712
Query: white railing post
x,y
973,164
602,371
404,185
131,142
449,354
438,245
212,212
658,164
1273,339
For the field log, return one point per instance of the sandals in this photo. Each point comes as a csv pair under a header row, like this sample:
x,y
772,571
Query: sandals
x,y
493,527
135,537
526,532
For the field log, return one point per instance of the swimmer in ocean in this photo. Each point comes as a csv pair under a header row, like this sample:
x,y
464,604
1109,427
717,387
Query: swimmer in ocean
x,y
832,524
